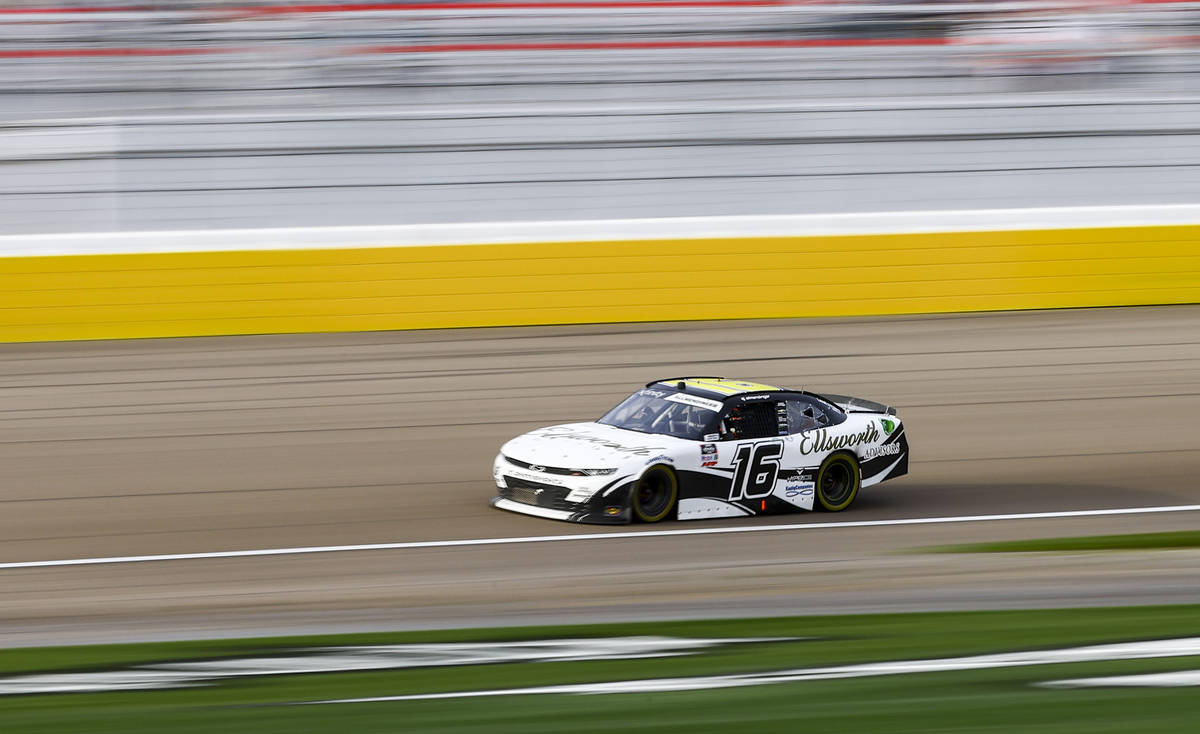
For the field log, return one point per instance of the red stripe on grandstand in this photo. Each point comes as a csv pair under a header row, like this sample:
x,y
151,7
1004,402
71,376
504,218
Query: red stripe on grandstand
x,y
475,47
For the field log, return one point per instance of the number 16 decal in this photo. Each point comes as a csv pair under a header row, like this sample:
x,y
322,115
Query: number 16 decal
x,y
755,477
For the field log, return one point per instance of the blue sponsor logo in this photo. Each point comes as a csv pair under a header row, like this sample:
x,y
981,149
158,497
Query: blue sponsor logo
x,y
803,489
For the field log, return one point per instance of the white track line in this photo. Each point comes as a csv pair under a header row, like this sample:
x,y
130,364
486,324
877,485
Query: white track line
x,y
600,230
594,536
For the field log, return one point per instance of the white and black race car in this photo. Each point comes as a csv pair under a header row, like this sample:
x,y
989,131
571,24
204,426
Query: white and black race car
x,y
703,447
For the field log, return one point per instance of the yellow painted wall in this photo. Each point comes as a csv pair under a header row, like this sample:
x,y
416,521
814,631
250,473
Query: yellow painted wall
x,y
248,292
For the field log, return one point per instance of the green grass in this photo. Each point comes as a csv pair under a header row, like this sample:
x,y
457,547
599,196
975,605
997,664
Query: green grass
x,y
996,700
1142,541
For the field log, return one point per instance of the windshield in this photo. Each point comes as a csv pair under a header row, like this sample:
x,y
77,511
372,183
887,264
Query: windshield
x,y
669,413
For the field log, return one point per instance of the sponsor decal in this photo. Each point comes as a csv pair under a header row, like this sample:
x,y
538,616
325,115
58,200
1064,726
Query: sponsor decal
x,y
889,425
653,393
536,467
709,463
661,458
799,475
696,401
708,448
871,452
816,442
712,436
799,490
757,397
343,659
542,478
570,434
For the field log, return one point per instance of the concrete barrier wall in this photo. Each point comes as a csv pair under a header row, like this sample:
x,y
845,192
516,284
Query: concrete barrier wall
x,y
358,279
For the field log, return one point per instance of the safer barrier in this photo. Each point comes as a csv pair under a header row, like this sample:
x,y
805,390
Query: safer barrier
x,y
281,281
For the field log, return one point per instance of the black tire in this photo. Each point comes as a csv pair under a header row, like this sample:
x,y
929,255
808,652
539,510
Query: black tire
x,y
654,495
838,482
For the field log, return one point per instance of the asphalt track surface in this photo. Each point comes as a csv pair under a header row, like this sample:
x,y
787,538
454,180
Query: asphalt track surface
x,y
237,443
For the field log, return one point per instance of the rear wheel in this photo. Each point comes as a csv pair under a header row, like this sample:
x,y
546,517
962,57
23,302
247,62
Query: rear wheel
x,y
655,494
838,482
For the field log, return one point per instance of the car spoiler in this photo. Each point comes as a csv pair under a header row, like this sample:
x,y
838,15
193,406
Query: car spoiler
x,y
858,405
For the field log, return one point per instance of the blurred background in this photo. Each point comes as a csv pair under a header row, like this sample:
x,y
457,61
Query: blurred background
x,y
125,115
325,452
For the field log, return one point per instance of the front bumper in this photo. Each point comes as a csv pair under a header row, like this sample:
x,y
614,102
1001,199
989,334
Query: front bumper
x,y
609,506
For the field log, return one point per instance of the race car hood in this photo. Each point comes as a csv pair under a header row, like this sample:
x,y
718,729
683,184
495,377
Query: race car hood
x,y
587,446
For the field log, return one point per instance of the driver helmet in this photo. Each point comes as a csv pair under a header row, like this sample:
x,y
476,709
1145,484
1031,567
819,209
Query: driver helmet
x,y
733,422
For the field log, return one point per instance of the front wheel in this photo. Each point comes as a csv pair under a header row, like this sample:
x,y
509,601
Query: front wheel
x,y
838,481
654,495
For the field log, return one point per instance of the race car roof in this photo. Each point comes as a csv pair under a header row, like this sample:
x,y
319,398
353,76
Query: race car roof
x,y
719,387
